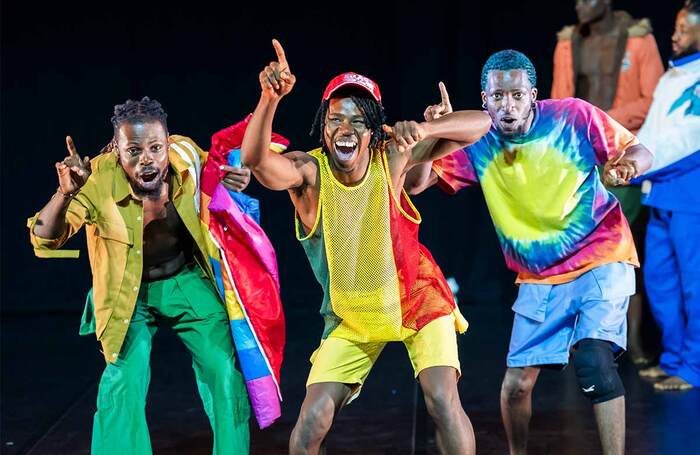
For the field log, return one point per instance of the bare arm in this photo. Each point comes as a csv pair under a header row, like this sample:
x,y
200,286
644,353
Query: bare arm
x,y
419,178
274,171
453,131
443,132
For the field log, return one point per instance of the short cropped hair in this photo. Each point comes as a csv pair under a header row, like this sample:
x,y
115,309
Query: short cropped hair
x,y
508,60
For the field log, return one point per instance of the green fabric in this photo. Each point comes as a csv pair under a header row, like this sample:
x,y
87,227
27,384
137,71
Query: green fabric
x,y
315,249
630,198
188,304
87,322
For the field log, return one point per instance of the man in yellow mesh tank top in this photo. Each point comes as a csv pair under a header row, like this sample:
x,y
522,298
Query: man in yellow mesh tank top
x,y
360,233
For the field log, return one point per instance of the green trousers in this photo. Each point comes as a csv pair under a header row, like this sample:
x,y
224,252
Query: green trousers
x,y
188,304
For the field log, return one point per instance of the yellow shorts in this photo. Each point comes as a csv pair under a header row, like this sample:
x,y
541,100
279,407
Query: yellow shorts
x,y
349,362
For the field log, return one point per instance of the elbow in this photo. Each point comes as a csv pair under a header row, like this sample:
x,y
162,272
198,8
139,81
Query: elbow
x,y
482,125
412,188
248,159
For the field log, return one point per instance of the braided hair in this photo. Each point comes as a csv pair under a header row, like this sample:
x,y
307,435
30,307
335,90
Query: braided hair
x,y
139,111
372,110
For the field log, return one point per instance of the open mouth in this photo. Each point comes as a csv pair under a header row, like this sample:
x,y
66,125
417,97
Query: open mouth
x,y
345,149
508,122
149,175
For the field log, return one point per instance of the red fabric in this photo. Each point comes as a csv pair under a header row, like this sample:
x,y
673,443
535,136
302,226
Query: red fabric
x,y
255,278
425,294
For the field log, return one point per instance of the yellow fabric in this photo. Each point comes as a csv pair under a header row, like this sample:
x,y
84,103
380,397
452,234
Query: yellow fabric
x,y
364,284
114,231
349,362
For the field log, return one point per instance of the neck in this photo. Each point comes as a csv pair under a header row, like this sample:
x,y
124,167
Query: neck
x,y
351,177
528,122
604,25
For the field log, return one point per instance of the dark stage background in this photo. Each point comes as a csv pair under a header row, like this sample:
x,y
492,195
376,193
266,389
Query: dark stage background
x,y
65,64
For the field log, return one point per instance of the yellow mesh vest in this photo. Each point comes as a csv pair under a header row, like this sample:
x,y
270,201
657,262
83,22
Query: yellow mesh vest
x,y
364,284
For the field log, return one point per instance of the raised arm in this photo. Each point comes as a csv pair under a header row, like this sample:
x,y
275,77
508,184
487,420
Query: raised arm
x,y
439,135
276,172
54,221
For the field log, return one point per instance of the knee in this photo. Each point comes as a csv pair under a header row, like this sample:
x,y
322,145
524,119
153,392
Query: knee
x,y
596,371
215,364
123,384
312,426
516,386
442,401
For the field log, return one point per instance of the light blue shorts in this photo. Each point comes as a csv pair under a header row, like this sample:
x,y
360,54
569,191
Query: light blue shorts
x,y
549,319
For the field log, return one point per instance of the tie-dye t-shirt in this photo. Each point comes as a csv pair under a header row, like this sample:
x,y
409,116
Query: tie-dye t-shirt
x,y
553,216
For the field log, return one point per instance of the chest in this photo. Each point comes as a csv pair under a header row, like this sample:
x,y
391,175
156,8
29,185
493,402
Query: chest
x,y
161,209
598,56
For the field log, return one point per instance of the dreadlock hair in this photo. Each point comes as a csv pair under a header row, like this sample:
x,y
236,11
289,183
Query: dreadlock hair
x,y
372,110
507,60
139,111
693,7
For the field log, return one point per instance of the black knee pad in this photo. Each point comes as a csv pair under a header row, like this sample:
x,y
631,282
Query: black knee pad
x,y
596,370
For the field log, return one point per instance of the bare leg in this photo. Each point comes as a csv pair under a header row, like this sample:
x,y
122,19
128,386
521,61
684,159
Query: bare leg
x,y
318,410
610,417
516,406
455,434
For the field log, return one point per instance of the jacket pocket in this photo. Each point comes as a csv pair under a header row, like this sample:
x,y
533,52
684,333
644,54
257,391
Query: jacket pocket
x,y
115,231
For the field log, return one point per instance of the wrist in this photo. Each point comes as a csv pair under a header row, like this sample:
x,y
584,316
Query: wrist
x,y
268,99
65,195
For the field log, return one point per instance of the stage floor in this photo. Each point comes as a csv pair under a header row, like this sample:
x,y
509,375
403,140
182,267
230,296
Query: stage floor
x,y
50,374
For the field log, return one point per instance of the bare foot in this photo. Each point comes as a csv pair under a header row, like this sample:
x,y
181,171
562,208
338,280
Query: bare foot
x,y
641,360
673,383
654,372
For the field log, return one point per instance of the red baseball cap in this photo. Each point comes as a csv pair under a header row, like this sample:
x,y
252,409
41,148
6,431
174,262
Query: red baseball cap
x,y
353,79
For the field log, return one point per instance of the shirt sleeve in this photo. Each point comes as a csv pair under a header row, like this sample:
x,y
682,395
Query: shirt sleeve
x,y
562,75
79,212
455,171
607,136
632,114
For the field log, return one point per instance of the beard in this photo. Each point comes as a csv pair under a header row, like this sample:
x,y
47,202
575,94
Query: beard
x,y
689,50
152,188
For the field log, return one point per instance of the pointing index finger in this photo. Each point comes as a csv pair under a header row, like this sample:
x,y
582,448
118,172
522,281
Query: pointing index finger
x,y
71,147
443,93
281,58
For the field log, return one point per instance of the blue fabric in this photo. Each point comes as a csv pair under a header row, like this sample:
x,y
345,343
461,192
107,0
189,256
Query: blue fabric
x,y
252,364
242,334
248,205
672,279
216,268
549,319
675,187
684,60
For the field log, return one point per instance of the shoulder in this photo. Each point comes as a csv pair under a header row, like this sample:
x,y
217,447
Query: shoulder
x,y
104,163
639,28
183,152
562,106
182,141
566,33
306,162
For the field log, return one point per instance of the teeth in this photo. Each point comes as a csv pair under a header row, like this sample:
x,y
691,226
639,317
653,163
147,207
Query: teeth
x,y
345,144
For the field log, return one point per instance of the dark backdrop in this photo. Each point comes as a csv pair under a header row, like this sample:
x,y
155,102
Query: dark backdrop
x,y
65,64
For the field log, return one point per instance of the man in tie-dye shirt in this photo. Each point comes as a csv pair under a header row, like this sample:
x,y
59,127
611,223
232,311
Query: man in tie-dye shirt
x,y
561,230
